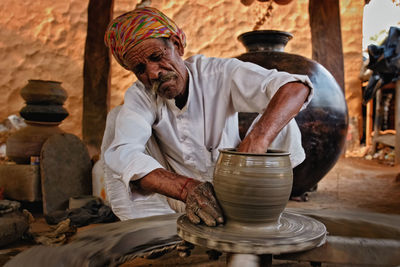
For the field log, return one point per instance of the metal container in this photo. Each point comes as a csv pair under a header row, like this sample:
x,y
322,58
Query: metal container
x,y
253,189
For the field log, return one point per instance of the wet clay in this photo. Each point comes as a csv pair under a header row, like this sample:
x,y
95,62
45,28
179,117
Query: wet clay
x,y
253,188
293,233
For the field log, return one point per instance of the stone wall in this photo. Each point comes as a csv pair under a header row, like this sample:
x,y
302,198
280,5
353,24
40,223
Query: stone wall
x,y
45,40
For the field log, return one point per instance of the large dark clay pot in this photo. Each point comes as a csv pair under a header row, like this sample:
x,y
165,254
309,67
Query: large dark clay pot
x,y
323,124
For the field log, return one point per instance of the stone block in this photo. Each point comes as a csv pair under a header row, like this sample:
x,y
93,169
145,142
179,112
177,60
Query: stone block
x,y
21,182
12,226
65,170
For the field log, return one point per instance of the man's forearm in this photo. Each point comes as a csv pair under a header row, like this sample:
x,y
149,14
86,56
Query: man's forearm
x,y
201,204
166,183
284,106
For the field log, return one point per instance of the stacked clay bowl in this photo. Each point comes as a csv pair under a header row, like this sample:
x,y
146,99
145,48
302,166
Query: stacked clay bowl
x,y
43,113
44,101
253,189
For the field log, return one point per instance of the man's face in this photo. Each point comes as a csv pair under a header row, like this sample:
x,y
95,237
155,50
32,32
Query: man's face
x,y
158,65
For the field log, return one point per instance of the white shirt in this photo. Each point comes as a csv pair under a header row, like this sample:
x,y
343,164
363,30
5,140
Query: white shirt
x,y
189,139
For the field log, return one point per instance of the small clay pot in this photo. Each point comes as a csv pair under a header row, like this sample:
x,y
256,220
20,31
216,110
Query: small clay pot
x,y
28,141
252,189
44,113
44,92
282,2
246,2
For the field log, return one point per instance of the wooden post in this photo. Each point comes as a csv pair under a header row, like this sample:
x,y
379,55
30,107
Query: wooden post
x,y
377,119
96,73
397,124
326,36
369,123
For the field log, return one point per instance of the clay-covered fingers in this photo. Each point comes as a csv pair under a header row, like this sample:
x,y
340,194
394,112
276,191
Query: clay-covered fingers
x,y
193,218
202,204
207,218
197,215
211,206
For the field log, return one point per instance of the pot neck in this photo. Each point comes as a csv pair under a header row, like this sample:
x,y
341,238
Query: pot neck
x,y
265,40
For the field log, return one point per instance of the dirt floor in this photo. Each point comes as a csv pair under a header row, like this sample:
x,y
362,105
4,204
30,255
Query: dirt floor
x,y
353,184
357,184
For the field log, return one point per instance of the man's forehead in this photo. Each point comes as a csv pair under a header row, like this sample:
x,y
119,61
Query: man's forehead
x,y
145,49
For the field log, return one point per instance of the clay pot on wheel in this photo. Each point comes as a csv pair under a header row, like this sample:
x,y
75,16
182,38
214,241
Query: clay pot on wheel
x,y
252,189
323,124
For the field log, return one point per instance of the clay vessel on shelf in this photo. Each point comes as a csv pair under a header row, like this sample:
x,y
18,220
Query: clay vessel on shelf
x,y
44,92
323,124
252,189
28,141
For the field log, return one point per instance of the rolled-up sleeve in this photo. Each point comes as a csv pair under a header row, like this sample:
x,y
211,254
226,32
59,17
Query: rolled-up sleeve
x,y
126,154
253,94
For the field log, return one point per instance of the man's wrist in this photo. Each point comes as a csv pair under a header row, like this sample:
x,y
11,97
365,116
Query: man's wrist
x,y
187,187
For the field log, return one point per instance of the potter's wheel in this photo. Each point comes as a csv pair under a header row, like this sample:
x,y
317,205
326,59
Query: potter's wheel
x,y
294,233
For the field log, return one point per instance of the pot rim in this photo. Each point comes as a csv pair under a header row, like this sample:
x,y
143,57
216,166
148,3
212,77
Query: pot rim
x,y
269,153
265,33
44,81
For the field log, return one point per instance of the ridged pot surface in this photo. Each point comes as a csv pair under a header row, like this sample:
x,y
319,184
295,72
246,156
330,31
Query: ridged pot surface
x,y
44,92
253,188
323,124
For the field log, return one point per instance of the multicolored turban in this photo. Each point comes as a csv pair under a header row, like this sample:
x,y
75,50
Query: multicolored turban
x,y
131,28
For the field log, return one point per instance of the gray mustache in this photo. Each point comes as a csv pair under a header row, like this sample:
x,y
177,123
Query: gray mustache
x,y
163,78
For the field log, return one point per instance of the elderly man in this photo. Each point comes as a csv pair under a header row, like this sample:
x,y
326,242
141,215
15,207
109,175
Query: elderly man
x,y
188,110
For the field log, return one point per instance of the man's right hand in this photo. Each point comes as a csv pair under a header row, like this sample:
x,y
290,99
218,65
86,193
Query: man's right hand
x,y
199,197
201,204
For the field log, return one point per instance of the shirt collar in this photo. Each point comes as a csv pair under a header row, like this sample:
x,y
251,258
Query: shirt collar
x,y
171,102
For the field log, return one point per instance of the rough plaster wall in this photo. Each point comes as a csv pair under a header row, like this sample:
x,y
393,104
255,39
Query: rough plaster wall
x,y
45,40
212,27
42,40
351,24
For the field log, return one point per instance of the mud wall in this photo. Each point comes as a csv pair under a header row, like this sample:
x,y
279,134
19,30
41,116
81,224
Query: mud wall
x,y
45,40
